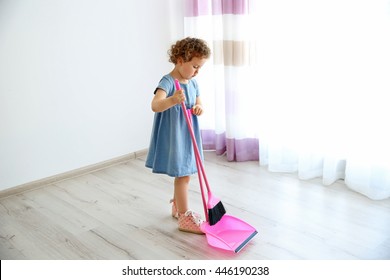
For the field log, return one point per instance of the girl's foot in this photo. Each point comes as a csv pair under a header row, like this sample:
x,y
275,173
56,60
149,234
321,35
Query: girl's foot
x,y
190,222
175,214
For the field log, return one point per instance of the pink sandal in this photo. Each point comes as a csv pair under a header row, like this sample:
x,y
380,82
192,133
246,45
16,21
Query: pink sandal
x,y
190,222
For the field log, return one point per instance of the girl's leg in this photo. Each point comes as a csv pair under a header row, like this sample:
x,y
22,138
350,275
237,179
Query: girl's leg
x,y
187,220
181,185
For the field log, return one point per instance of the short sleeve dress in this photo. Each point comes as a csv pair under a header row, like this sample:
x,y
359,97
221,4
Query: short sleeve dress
x,y
171,151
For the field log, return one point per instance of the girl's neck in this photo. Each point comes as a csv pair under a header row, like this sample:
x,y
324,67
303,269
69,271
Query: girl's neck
x,y
176,75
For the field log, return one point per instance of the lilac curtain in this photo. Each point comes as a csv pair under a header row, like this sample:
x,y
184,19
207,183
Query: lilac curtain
x,y
225,82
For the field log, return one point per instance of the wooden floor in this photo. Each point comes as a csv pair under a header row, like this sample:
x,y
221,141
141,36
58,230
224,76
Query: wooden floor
x,y
123,212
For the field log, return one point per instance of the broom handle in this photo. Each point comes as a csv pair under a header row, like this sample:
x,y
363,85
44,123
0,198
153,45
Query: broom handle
x,y
197,154
202,188
199,164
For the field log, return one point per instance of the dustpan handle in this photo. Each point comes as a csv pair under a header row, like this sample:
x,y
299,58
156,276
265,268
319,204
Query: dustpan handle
x,y
196,150
202,188
199,164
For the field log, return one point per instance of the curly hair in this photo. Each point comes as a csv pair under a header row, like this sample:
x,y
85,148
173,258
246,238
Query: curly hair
x,y
187,49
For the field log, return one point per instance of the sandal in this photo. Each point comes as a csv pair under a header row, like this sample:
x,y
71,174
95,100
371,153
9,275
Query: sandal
x,y
190,222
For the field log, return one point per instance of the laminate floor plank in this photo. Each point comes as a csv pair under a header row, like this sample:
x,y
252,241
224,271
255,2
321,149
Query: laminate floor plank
x,y
123,212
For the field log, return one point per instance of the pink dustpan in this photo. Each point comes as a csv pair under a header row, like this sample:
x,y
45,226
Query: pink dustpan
x,y
229,233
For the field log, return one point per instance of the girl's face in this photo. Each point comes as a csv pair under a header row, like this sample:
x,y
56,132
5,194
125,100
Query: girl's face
x,y
190,69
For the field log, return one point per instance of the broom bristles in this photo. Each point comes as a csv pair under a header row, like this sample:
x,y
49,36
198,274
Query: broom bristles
x,y
216,213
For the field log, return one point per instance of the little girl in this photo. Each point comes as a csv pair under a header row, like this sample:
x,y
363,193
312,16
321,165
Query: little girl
x,y
170,150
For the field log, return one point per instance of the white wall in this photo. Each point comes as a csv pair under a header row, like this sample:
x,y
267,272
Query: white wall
x,y
76,81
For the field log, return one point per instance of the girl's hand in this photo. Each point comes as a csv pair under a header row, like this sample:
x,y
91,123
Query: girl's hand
x,y
197,110
179,96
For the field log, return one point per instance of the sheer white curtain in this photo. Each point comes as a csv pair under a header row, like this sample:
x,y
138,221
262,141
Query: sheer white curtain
x,y
310,93
324,81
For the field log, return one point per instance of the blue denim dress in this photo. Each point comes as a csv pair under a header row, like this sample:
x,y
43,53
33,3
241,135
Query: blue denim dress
x,y
171,151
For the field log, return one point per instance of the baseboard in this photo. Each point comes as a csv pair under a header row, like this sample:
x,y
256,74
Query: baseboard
x,y
70,174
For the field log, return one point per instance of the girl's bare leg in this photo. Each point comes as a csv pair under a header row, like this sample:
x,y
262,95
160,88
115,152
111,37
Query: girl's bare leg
x,y
181,193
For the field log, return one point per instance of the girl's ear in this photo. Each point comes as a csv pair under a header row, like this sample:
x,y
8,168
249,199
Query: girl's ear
x,y
180,60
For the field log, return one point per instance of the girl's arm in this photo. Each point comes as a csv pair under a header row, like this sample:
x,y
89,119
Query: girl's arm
x,y
161,102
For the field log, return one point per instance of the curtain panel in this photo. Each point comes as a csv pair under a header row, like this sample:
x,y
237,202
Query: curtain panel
x,y
299,85
225,25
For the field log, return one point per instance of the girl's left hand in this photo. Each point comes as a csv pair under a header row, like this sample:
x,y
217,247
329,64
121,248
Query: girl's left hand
x,y
197,110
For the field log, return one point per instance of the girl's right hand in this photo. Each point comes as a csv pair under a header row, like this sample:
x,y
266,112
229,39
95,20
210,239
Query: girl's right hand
x,y
179,96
